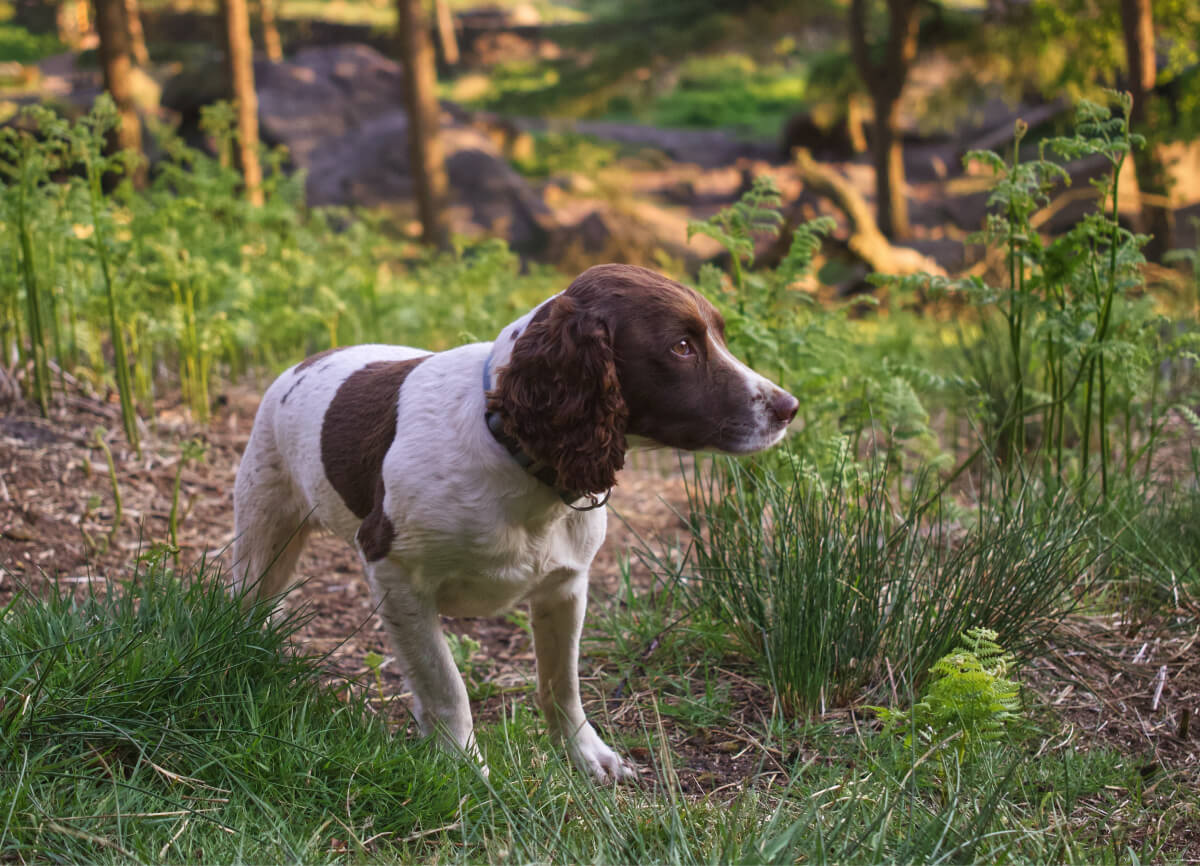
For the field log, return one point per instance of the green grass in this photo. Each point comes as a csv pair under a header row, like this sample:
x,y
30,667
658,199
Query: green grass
x,y
159,721
731,91
19,45
835,589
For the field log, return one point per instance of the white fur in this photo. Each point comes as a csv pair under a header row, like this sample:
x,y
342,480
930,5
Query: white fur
x,y
474,532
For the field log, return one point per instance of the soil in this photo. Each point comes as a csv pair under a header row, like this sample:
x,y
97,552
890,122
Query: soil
x,y
1108,679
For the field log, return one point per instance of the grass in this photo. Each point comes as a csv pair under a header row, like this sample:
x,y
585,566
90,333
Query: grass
x,y
828,584
160,722
730,91
19,45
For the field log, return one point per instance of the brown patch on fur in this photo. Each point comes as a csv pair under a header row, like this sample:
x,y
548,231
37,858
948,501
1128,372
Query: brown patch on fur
x,y
376,533
358,429
298,379
312,359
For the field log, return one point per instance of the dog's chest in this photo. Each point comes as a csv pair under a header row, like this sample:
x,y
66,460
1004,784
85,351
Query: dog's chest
x,y
485,571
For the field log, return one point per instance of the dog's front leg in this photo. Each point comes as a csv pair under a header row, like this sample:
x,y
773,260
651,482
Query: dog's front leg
x,y
557,618
439,695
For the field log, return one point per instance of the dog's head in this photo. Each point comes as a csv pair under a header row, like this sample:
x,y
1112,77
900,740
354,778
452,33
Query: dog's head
x,y
626,353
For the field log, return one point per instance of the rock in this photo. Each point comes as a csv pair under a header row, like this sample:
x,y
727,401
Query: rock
x,y
634,233
339,110
322,93
368,165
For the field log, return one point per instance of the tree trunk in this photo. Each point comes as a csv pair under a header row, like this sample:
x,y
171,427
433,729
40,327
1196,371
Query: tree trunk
x,y
426,160
885,79
446,34
1155,216
114,60
73,21
137,37
272,44
239,58
887,154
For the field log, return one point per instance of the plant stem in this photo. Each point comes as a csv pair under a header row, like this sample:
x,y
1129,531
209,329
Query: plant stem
x,y
37,337
128,411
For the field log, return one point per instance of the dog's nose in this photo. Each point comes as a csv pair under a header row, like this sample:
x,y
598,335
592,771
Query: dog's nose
x,y
783,406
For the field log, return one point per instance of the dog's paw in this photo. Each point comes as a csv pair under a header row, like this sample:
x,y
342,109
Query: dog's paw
x,y
604,765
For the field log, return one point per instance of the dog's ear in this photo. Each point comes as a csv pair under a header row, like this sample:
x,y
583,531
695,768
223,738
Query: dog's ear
x,y
559,397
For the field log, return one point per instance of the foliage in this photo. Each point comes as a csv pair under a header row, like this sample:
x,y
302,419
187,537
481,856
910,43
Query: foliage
x,y
19,45
970,699
828,583
731,91
1071,341
1074,49
561,152
835,556
188,276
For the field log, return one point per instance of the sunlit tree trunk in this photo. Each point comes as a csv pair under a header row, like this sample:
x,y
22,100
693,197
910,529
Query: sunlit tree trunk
x,y
1155,218
73,21
426,160
272,44
137,36
239,55
885,79
116,64
446,35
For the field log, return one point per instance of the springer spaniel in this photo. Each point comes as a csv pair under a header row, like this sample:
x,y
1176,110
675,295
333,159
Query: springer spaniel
x,y
472,479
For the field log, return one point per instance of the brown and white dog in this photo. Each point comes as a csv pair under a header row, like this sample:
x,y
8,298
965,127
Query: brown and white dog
x,y
470,480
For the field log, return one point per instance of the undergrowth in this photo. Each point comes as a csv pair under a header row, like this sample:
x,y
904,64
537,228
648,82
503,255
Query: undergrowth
x,y
158,721
161,722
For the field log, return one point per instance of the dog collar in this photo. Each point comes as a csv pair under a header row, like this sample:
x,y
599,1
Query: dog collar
x,y
539,469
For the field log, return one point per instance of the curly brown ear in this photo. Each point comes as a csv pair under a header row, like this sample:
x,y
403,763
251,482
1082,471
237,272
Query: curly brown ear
x,y
560,399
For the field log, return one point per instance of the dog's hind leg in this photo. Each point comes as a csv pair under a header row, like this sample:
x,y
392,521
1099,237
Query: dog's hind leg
x,y
269,518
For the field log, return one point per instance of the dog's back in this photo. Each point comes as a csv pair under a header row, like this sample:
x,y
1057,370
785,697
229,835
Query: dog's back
x,y
283,486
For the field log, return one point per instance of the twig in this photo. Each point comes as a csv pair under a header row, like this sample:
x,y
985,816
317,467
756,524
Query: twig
x,y
1160,681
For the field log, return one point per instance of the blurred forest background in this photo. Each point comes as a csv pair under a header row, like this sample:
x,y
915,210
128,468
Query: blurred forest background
x,y
588,131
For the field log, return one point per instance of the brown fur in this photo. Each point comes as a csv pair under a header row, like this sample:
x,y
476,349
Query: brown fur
x,y
358,429
559,396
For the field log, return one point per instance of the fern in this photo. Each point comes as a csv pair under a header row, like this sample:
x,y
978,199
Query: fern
x,y
970,701
735,227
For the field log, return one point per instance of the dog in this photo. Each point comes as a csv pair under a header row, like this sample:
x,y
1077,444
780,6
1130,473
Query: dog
x,y
473,479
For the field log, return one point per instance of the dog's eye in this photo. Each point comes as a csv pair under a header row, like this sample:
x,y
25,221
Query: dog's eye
x,y
683,348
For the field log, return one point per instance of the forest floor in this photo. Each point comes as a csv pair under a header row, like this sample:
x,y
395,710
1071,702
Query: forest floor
x,y
1109,678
